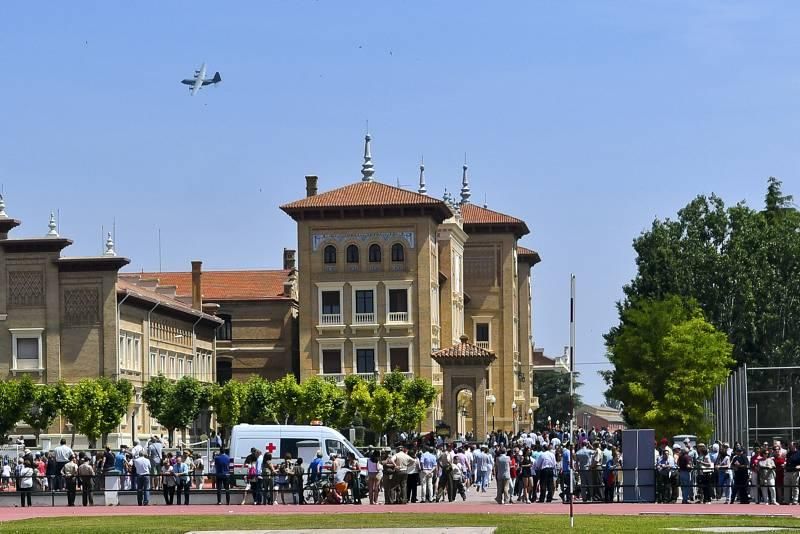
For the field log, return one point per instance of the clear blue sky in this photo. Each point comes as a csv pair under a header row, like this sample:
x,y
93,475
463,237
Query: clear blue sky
x,y
586,119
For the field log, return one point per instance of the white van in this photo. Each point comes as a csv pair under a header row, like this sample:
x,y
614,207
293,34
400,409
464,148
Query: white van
x,y
301,441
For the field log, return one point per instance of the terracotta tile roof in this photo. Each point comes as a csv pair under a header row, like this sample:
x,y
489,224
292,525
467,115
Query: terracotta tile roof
x,y
540,359
129,288
527,254
225,285
474,215
364,194
463,351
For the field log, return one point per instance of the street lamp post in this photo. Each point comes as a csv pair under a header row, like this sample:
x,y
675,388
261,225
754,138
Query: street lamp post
x,y
549,423
491,399
530,416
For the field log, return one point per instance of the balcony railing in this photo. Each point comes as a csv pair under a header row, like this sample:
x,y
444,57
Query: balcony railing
x,y
407,374
333,378
331,318
368,376
437,378
364,318
397,317
482,345
519,394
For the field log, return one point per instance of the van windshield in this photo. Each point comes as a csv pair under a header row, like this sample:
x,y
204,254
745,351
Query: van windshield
x,y
353,448
341,448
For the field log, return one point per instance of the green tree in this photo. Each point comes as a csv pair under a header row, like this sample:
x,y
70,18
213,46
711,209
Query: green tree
x,y
184,405
117,400
552,388
156,394
16,397
227,401
739,264
399,404
83,407
287,399
667,360
45,407
260,402
416,398
319,400
357,408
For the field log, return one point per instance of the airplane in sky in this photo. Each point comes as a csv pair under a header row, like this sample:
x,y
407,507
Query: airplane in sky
x,y
199,79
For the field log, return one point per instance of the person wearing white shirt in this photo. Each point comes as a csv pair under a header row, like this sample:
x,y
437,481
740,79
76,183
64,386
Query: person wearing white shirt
x,y
545,469
25,483
142,467
62,454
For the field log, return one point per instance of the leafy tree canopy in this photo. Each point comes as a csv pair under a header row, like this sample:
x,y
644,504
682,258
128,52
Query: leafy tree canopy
x,y
16,397
553,391
740,265
667,360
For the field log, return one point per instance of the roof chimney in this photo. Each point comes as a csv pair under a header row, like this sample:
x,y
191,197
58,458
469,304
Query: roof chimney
x,y
311,186
289,259
197,285
290,285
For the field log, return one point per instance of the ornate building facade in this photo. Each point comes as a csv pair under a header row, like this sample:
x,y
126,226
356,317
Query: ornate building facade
x,y
389,276
69,318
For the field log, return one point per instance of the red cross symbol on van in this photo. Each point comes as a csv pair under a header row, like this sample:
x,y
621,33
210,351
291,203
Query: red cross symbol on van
x,y
271,448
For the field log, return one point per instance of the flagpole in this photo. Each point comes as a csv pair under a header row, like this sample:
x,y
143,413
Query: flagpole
x,y
572,399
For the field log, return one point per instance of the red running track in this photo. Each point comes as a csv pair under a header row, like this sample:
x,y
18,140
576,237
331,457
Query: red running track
x,y
11,514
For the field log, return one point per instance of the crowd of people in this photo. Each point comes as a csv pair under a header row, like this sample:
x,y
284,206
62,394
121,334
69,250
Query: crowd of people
x,y
523,467
764,474
140,468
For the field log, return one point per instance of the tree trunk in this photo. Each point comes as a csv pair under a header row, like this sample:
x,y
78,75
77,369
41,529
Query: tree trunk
x,y
72,442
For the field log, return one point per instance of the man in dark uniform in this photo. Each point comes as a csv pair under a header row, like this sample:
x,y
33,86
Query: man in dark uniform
x,y
741,476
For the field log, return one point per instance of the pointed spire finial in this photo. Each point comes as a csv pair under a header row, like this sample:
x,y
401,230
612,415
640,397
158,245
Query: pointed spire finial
x,y
422,189
52,226
465,191
109,246
2,207
367,168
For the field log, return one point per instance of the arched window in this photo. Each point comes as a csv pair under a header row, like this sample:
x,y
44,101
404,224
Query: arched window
x,y
329,254
352,254
375,253
398,253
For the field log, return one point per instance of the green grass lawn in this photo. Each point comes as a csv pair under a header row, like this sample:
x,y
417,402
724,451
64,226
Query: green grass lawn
x,y
166,521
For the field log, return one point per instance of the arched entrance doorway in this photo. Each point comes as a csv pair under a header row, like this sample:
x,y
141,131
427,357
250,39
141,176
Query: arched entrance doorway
x,y
464,368
465,407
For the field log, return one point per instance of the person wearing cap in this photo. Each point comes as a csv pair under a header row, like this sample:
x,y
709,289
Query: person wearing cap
x,y
706,469
664,469
315,468
70,474
741,476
